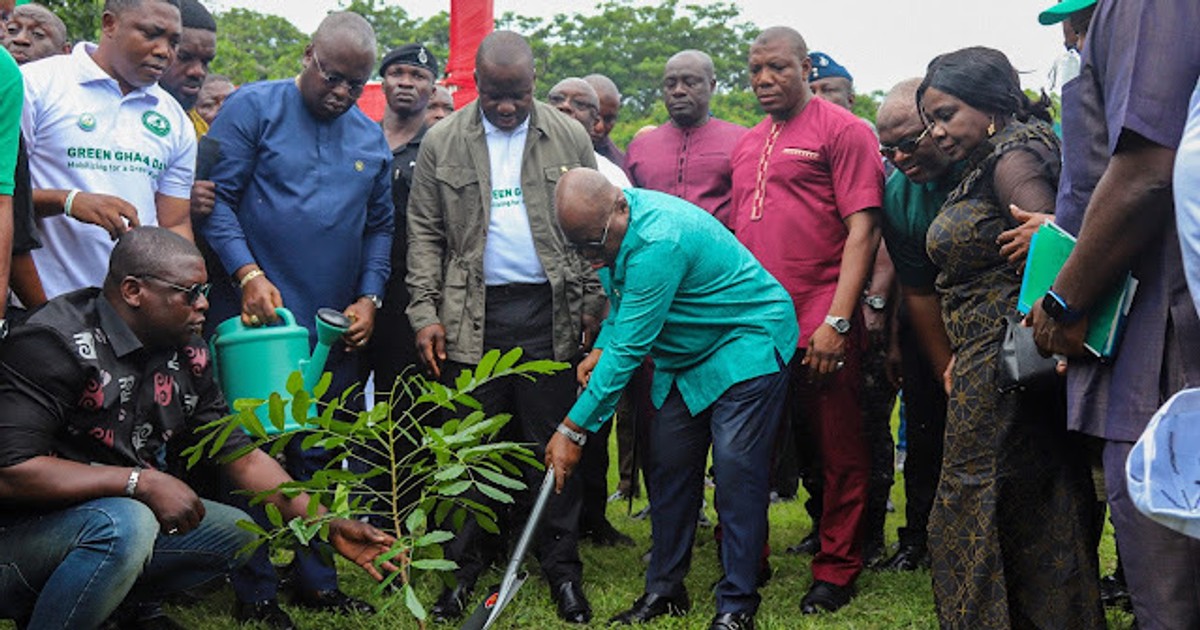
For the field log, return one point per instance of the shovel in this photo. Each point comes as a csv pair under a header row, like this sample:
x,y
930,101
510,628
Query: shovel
x,y
489,610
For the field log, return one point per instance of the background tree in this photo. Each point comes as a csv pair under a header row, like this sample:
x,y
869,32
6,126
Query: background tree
x,y
82,17
252,46
395,27
631,44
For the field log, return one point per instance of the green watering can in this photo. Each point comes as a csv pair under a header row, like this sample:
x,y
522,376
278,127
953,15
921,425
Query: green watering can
x,y
254,361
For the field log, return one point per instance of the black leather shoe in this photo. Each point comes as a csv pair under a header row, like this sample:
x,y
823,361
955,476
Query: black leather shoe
x,y
873,554
1114,593
825,597
449,605
607,536
906,558
266,612
333,601
807,547
652,605
732,621
573,607
145,616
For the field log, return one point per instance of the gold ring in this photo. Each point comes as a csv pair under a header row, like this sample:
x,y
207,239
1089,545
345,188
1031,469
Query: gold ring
x,y
254,320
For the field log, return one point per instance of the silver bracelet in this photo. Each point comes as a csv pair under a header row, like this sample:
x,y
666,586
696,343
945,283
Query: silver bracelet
x,y
131,485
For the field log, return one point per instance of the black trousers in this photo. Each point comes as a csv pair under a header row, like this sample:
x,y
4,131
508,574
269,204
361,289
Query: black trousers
x,y
925,427
520,316
593,477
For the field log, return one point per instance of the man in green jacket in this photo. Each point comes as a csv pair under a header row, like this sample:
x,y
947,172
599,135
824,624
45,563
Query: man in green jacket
x,y
721,331
488,269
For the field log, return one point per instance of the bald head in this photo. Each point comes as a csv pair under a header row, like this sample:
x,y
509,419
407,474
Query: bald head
x,y
504,49
35,33
604,86
576,98
583,200
577,84
903,137
147,250
786,35
346,30
695,59
900,104
610,106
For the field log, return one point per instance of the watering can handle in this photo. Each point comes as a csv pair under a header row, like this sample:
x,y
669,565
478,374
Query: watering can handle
x,y
285,315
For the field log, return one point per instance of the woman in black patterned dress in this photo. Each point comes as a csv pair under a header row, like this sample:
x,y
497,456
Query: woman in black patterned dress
x,y
1009,534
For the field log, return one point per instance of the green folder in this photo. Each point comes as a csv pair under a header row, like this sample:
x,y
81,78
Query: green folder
x,y
1048,252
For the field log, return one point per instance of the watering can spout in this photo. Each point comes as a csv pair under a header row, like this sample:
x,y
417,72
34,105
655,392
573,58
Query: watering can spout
x,y
331,325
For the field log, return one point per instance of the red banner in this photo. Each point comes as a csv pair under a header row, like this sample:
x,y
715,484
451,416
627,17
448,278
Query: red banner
x,y
470,22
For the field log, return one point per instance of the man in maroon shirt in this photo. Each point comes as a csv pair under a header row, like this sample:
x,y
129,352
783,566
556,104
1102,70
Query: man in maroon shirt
x,y
807,186
688,158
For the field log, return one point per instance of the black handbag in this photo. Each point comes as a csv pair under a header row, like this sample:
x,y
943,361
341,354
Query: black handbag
x,y
1022,367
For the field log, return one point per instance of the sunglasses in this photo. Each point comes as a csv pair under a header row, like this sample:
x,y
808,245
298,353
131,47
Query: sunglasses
x,y
598,245
193,292
906,146
333,80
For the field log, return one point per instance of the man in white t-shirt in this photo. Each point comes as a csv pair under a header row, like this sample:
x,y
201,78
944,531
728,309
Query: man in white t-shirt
x,y
488,269
108,148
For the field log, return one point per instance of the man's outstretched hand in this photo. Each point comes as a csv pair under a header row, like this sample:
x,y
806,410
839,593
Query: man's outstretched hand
x,y
362,544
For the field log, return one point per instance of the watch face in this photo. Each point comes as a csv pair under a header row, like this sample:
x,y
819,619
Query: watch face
x,y
839,324
1052,307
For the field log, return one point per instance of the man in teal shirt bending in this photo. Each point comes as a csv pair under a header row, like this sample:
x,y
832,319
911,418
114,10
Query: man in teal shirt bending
x,y
721,331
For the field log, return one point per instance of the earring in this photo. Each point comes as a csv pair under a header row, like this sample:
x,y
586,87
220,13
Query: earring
x,y
992,127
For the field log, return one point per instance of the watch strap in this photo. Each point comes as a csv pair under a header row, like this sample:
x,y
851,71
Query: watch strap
x,y
839,324
1058,309
579,438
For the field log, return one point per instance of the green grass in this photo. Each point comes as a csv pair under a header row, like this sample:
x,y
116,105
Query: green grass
x,y
613,578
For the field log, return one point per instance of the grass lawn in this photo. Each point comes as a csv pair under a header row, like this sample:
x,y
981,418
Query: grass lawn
x,y
613,578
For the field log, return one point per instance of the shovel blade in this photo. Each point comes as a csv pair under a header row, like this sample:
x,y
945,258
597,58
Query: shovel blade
x,y
482,617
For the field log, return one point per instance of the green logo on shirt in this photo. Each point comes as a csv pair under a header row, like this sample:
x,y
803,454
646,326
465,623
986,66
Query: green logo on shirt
x,y
156,123
87,122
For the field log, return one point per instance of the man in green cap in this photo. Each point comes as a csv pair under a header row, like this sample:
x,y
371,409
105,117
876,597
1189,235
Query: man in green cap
x,y
1075,16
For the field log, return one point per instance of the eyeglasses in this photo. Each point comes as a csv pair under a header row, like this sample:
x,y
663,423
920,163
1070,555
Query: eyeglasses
x,y
193,292
906,146
598,245
333,80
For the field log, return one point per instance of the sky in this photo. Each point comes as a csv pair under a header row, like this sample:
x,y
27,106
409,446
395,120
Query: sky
x,y
881,42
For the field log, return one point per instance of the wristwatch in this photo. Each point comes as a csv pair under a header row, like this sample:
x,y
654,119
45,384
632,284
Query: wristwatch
x,y
579,438
1058,309
375,299
877,302
3,328
840,324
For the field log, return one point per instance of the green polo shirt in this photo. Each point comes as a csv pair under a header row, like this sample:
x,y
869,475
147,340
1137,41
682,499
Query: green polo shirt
x,y
12,96
684,291
908,210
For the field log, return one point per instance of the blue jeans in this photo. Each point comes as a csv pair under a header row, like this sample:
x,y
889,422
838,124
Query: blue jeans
x,y
741,425
312,565
71,568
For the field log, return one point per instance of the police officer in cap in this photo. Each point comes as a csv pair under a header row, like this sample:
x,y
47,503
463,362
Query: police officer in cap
x,y
408,75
